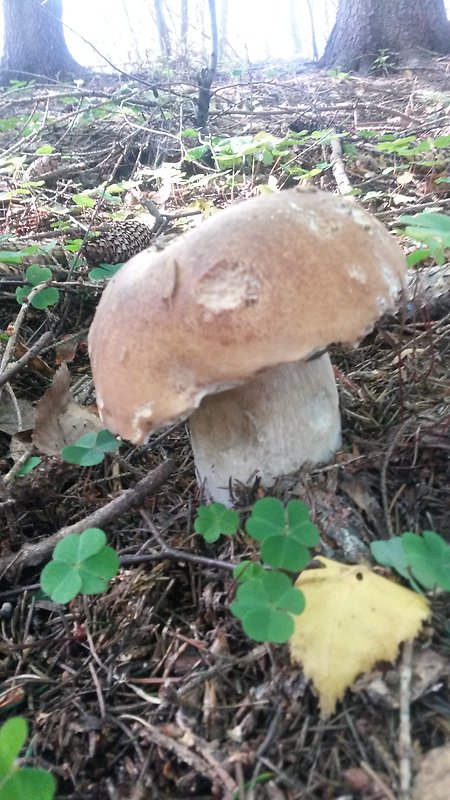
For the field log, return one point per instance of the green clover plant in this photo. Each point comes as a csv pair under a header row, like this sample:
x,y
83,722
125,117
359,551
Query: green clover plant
x,y
214,520
422,559
266,599
285,533
20,783
90,448
48,296
266,604
81,564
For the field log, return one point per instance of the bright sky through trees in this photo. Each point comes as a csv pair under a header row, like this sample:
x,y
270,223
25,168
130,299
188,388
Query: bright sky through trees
x,y
117,27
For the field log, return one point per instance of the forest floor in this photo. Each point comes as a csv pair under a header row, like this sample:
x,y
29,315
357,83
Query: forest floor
x,y
152,690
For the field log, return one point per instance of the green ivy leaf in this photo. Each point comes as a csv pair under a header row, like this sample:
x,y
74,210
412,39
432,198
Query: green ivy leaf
x,y
90,448
214,520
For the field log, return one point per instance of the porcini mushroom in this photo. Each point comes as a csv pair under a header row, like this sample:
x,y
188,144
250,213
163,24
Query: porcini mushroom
x,y
228,325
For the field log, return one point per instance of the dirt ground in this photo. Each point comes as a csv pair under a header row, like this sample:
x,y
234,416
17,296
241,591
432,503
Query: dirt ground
x,y
152,690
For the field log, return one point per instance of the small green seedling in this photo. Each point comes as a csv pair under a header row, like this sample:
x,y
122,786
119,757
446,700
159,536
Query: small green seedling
x,y
433,230
214,520
81,564
104,271
266,605
90,448
421,559
285,533
48,296
20,783
30,464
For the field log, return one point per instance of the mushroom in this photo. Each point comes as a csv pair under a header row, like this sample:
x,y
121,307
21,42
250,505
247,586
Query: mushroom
x,y
229,325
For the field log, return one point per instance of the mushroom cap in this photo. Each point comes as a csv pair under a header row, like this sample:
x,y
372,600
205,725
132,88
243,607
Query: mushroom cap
x,y
267,281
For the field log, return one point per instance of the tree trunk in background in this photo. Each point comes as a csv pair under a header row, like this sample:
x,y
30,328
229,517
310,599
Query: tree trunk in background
x,y
163,33
184,26
223,30
293,24
313,30
403,27
34,43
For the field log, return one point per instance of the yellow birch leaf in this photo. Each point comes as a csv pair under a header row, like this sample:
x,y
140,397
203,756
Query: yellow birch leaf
x,y
353,618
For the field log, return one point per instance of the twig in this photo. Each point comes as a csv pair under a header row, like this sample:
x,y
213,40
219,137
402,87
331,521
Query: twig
x,y
377,781
6,376
32,554
383,476
404,744
202,761
337,166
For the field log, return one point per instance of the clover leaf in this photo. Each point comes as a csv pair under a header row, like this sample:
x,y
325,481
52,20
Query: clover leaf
x,y
285,533
81,564
35,275
266,605
90,448
214,520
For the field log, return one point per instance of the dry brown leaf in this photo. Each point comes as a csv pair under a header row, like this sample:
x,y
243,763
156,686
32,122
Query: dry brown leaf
x,y
429,669
59,419
353,618
433,779
15,416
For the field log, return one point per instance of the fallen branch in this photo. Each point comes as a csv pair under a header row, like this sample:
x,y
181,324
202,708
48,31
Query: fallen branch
x,y
36,552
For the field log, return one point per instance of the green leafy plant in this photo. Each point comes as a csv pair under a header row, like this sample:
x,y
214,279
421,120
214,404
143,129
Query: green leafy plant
x,y
423,559
81,564
20,783
31,463
214,520
48,296
285,533
384,62
433,231
90,448
266,605
104,271
266,600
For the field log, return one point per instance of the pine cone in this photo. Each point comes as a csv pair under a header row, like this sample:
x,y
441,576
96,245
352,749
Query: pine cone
x,y
118,243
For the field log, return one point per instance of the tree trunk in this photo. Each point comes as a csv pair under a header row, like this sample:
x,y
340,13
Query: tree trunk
x,y
403,28
163,31
34,44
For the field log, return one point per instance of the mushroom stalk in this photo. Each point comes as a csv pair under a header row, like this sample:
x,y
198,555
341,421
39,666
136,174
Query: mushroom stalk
x,y
272,425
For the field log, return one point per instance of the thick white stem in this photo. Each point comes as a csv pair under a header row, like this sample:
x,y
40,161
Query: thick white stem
x,y
270,426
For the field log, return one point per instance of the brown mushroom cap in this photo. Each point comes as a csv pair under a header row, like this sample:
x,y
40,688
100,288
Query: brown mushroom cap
x,y
267,281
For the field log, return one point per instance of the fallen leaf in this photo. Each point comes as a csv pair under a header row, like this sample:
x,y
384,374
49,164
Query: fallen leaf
x,y
429,670
353,618
15,415
433,779
59,419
